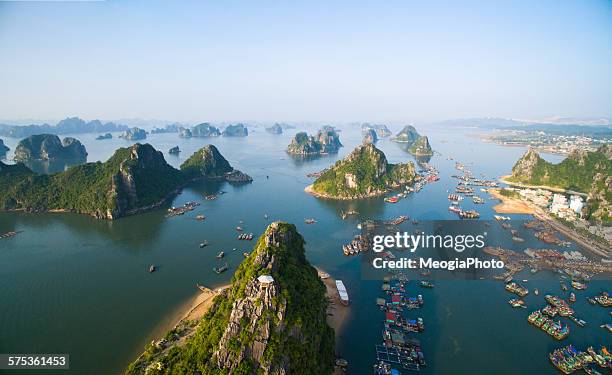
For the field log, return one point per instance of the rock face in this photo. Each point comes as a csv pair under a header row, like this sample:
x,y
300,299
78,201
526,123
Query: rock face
x,y
134,134
205,130
582,171
364,173
104,136
185,133
209,163
171,128
325,142
421,147
381,130
3,148
49,147
275,129
174,150
272,320
370,136
237,130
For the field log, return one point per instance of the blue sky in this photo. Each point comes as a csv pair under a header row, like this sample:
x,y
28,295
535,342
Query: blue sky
x,y
313,61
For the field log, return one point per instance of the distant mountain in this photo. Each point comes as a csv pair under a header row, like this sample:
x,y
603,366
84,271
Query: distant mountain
x,y
49,147
134,134
204,130
407,135
275,129
421,147
71,125
270,321
364,173
370,136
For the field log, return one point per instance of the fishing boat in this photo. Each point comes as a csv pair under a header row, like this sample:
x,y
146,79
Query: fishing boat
x,y
536,291
477,200
220,255
454,209
344,298
572,297
455,197
469,214
501,218
514,302
578,285
152,268
310,221
393,199
9,234
426,284
239,229
221,269
203,244
200,217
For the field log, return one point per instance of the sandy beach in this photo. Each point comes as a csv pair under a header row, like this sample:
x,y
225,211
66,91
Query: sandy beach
x,y
336,311
510,205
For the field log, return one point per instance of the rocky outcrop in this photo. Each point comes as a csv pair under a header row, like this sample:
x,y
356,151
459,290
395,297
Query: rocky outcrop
x,y
599,201
364,173
326,141
205,130
174,150
102,137
48,147
209,163
381,130
134,134
275,129
185,133
170,128
407,135
237,130
526,166
370,136
421,147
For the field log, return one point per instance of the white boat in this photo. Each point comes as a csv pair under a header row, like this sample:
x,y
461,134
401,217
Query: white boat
x,y
344,298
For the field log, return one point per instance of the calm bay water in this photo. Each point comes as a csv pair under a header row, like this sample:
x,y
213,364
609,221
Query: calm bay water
x,y
73,284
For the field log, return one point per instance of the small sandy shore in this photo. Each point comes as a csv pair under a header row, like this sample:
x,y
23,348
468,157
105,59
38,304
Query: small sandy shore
x,y
336,311
510,205
202,303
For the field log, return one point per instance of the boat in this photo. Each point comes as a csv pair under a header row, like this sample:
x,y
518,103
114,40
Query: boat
x,y
477,200
578,285
203,244
572,297
220,255
239,229
245,254
455,197
536,292
152,268
515,302
341,362
501,218
454,209
344,298
470,214
221,269
393,199
426,284
310,221
200,217
9,234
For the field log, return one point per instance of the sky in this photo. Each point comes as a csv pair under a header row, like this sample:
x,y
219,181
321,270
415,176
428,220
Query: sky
x,y
336,61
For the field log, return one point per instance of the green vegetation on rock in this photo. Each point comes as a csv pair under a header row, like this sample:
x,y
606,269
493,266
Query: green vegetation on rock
x,y
326,141
49,147
582,171
364,172
421,147
132,180
256,328
417,145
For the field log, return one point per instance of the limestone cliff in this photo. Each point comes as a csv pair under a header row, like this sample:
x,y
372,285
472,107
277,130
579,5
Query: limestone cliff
x,y
271,321
326,141
49,147
209,163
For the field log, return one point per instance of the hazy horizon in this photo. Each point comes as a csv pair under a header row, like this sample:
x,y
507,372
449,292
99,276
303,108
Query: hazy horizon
x,y
392,62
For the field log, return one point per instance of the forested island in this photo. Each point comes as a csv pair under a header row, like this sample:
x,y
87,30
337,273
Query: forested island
x,y
364,173
326,141
236,130
133,180
582,171
70,125
417,145
271,320
48,147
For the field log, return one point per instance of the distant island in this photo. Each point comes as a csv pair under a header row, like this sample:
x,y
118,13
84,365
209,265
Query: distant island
x,y
102,137
134,134
171,128
174,150
48,147
205,130
326,141
417,145
275,129
133,180
370,136
271,320
71,125
237,130
582,171
364,173
381,130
